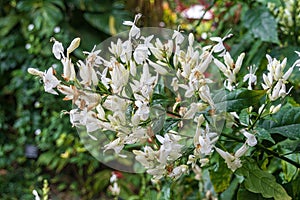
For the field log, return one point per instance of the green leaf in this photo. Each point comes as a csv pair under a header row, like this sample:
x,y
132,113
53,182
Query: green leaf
x,y
262,24
7,23
102,22
221,177
263,134
258,181
290,171
244,116
244,194
237,100
286,122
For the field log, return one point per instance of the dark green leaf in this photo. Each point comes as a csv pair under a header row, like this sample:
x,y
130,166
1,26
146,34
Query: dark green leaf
x,y
262,24
286,122
263,134
244,116
237,100
258,181
7,23
289,170
244,194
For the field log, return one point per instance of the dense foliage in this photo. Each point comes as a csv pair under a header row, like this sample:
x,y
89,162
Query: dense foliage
x,y
28,116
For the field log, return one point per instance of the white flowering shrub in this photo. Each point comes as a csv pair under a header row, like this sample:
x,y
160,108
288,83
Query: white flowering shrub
x,y
178,109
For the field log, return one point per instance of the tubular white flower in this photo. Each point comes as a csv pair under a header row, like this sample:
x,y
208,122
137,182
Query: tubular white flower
x,y
232,162
178,171
134,31
288,73
140,54
251,139
241,151
58,50
275,109
50,81
251,77
35,72
74,44
178,37
69,71
158,68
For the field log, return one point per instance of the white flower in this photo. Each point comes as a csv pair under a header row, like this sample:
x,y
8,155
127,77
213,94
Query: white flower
x,y
204,93
241,151
36,195
230,70
70,92
147,157
50,81
74,44
115,189
58,50
174,84
113,178
232,162
116,49
69,71
204,140
117,145
140,54
93,59
178,37
194,108
251,77
143,110
35,72
275,109
134,31
119,76
170,148
251,139
158,172
158,68
220,46
87,74
178,171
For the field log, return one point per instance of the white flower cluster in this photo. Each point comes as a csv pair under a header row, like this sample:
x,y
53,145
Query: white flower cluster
x,y
117,94
275,79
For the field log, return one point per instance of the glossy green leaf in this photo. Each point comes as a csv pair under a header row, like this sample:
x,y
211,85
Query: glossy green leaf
x,y
285,122
262,24
258,181
237,100
263,134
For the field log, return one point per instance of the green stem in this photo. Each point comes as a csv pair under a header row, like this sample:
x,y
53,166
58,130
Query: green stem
x,y
258,117
260,146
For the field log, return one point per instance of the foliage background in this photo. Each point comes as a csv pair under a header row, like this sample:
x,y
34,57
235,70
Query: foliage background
x,y
29,116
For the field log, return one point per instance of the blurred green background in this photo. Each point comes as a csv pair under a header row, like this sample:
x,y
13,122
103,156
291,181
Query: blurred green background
x,y
29,117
